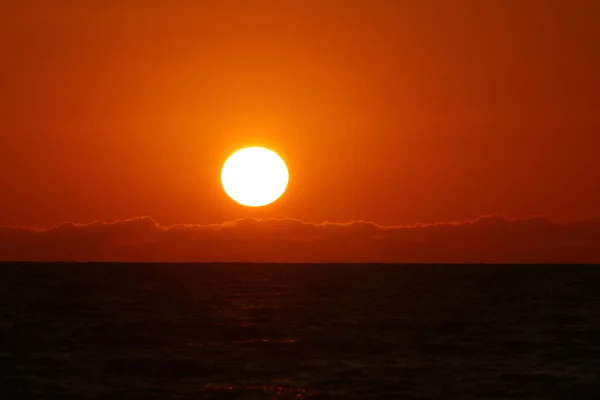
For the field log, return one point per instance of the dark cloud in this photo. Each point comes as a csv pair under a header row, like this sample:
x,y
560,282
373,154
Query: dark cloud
x,y
491,238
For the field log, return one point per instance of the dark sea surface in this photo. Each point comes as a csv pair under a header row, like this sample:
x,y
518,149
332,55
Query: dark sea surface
x,y
256,331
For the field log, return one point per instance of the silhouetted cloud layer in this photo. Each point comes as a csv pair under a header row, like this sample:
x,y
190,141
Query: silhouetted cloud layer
x,y
487,239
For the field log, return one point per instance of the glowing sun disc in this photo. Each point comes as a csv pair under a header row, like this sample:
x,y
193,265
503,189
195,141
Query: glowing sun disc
x,y
254,176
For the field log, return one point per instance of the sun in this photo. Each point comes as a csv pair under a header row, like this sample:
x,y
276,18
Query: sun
x,y
254,176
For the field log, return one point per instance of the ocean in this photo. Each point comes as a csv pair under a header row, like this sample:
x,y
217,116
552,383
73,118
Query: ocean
x,y
299,331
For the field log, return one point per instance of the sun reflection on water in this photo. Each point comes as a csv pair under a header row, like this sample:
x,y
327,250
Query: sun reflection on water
x,y
274,392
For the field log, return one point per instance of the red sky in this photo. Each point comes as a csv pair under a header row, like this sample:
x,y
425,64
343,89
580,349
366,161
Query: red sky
x,y
394,112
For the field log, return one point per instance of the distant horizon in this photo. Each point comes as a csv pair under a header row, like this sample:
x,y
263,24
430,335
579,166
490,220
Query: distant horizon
x,y
2,262
494,239
559,221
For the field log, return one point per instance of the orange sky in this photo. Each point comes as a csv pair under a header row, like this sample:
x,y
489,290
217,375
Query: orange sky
x,y
393,111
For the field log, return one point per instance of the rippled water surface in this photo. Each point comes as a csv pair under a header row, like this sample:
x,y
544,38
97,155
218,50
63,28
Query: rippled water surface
x,y
144,331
